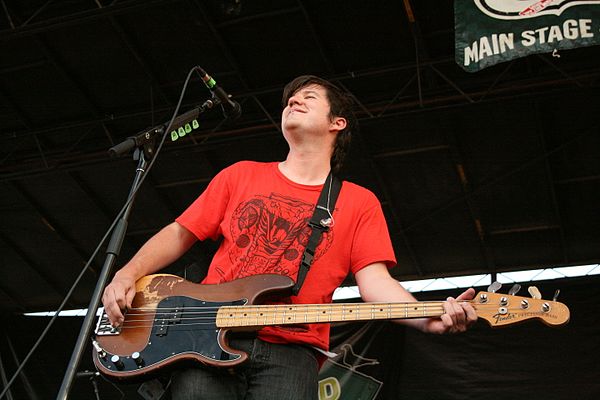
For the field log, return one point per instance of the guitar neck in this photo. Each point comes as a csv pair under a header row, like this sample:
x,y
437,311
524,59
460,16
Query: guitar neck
x,y
266,315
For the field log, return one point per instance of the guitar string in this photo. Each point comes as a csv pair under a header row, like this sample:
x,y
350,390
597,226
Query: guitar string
x,y
256,312
260,312
212,322
263,309
348,305
307,307
275,321
273,316
264,314
269,313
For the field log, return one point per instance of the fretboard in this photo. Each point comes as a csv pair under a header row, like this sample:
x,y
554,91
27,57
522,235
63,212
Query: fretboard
x,y
265,315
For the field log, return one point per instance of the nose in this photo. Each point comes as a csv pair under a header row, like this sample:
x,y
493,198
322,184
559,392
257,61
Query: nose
x,y
294,99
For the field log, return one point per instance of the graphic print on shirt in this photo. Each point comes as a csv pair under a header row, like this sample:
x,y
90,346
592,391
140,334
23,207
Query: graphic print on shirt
x,y
271,233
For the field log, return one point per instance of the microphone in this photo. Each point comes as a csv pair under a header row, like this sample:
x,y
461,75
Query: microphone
x,y
231,109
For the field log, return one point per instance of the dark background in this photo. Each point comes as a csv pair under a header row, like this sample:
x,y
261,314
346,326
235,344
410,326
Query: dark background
x,y
477,173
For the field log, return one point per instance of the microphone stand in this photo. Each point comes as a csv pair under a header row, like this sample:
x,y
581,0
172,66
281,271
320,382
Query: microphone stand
x,y
144,149
112,252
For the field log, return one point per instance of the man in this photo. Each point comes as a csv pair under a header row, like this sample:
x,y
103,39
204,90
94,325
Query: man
x,y
261,211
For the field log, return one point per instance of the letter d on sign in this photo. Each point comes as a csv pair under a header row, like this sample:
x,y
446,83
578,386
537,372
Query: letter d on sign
x,y
329,389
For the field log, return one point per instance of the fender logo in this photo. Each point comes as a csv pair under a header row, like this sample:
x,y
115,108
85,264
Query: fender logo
x,y
511,316
504,317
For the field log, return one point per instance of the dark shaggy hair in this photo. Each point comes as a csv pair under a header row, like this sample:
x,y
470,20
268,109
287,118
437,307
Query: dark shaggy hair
x,y
341,105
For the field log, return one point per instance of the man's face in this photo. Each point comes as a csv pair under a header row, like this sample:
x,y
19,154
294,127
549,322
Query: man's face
x,y
308,108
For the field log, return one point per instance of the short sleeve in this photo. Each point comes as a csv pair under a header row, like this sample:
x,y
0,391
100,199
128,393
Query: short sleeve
x,y
204,216
372,241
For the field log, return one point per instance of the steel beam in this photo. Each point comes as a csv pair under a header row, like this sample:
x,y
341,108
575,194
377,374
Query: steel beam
x,y
53,225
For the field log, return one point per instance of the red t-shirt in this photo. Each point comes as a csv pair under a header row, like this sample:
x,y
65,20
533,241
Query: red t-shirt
x,y
263,219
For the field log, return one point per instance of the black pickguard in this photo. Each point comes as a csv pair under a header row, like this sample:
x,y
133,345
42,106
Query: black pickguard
x,y
175,333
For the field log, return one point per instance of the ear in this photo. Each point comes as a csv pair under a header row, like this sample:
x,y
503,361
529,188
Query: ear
x,y
337,124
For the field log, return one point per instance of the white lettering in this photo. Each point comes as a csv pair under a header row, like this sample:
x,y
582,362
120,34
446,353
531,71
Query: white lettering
x,y
528,38
555,34
570,29
484,48
471,54
495,44
542,34
585,28
506,41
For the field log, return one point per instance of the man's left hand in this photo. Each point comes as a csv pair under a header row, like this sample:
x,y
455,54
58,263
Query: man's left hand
x,y
458,317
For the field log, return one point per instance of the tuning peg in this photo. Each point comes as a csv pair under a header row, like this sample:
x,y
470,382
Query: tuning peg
x,y
556,295
534,292
513,290
494,287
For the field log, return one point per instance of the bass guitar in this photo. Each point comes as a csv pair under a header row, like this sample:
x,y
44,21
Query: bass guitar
x,y
173,320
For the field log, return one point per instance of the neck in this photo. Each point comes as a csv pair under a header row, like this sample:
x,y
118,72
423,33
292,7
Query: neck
x,y
307,168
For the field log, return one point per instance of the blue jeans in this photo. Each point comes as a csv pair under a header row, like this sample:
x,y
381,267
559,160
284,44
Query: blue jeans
x,y
272,371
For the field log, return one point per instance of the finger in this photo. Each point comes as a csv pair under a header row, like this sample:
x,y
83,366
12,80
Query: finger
x,y
447,321
450,312
120,298
130,295
467,294
470,313
460,316
113,311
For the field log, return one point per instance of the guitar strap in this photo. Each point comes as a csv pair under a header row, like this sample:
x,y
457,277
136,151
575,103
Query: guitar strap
x,y
321,221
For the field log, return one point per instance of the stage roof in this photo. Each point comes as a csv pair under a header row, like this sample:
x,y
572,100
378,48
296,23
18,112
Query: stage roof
x,y
482,172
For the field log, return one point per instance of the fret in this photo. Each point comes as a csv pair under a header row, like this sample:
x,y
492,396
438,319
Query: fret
x,y
305,313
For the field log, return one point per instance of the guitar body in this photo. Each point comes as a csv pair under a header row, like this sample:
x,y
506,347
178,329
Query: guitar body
x,y
157,332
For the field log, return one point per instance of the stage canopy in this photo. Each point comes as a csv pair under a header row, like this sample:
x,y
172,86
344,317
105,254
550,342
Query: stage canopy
x,y
477,172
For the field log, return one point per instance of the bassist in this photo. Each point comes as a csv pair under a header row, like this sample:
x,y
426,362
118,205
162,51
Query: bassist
x,y
261,211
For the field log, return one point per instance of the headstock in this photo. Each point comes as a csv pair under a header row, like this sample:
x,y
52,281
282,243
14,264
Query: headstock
x,y
506,309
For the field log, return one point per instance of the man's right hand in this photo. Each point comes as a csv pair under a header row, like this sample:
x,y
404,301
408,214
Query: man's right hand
x,y
159,251
118,296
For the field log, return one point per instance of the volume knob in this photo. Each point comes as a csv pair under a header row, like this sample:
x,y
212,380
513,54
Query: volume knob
x,y
116,360
137,357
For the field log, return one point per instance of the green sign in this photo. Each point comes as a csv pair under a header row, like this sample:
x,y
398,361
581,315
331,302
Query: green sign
x,y
493,31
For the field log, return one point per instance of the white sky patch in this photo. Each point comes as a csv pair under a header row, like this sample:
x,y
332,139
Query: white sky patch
x,y
463,282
